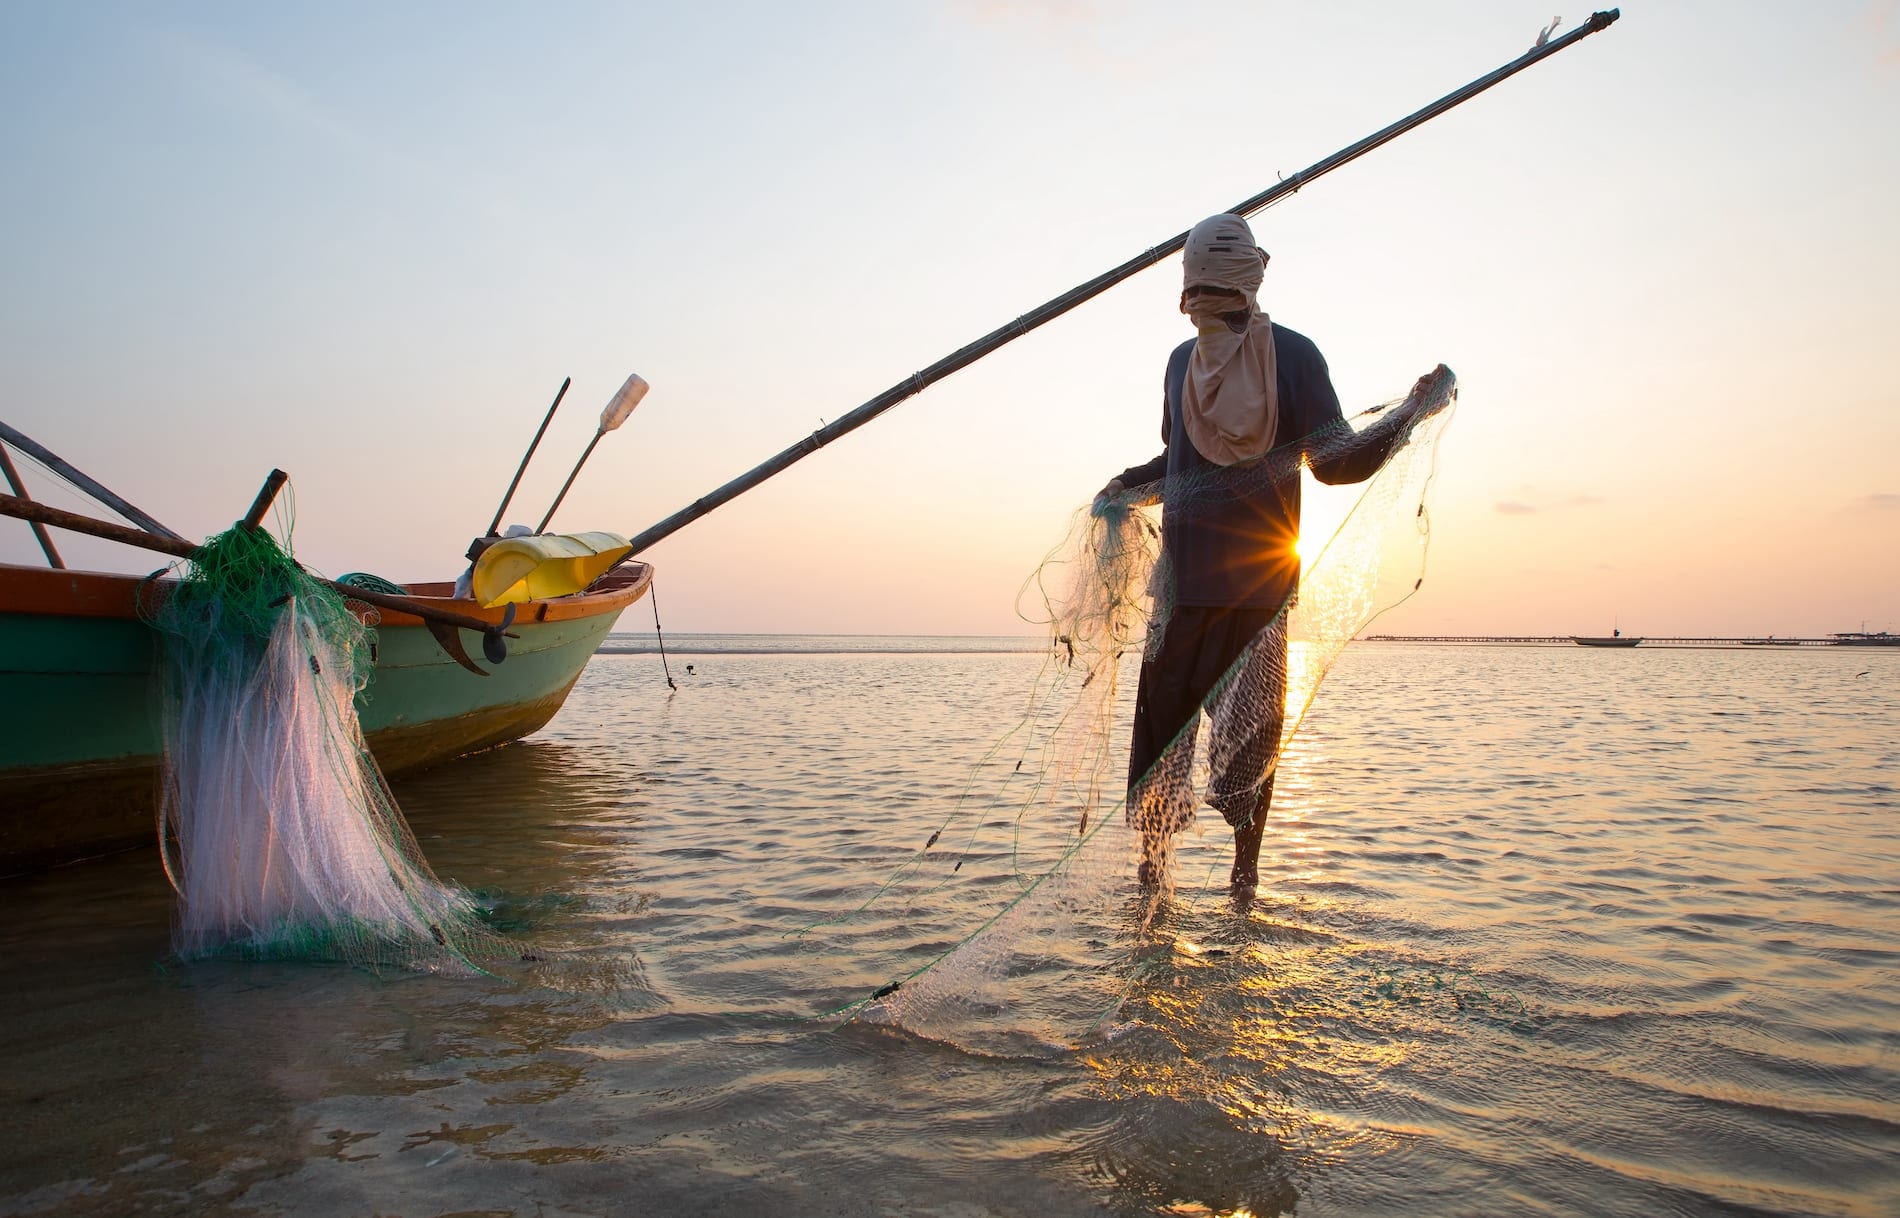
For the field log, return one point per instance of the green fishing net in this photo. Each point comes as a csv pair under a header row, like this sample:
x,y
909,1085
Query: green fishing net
x,y
277,828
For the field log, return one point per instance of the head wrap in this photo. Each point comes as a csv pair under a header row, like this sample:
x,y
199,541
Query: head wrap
x,y
1231,401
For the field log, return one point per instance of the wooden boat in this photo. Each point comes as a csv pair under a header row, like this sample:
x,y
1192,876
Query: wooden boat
x,y
79,699
1619,639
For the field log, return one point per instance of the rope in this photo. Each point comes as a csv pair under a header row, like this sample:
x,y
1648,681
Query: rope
x,y
653,595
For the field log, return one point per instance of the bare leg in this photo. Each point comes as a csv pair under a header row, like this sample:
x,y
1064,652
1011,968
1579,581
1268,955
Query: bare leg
x,y
1246,872
1153,864
1244,744
1167,713
1161,807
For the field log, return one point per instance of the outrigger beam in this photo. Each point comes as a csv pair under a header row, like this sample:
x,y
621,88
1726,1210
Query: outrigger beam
x,y
65,469
492,632
965,356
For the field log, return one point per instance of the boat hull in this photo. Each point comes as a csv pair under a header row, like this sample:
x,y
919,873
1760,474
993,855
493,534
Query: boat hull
x,y
80,740
1612,641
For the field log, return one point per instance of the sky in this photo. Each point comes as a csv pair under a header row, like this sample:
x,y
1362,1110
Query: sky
x,y
366,242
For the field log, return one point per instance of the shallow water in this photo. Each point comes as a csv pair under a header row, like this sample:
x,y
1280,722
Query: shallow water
x,y
1540,931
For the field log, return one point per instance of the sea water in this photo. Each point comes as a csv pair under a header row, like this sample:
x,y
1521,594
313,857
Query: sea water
x,y
1539,931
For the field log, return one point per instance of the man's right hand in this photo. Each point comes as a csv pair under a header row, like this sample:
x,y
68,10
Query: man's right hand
x,y
1106,497
1426,386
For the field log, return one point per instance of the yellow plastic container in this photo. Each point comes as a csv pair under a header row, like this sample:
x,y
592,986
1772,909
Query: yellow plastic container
x,y
547,565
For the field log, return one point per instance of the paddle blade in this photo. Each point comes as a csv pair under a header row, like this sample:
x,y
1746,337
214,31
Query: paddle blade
x,y
623,403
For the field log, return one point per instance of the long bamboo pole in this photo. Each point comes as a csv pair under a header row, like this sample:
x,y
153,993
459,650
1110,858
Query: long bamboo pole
x,y
963,357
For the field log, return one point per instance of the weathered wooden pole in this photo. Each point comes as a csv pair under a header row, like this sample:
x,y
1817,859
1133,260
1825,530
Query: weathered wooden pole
x,y
963,357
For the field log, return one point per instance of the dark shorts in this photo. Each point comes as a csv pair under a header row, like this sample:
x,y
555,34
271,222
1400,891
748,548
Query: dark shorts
x,y
1199,651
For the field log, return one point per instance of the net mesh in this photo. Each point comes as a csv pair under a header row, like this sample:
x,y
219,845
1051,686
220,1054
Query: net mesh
x,y
1082,877
277,828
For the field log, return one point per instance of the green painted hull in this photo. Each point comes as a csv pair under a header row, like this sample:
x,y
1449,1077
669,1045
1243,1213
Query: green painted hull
x,y
80,740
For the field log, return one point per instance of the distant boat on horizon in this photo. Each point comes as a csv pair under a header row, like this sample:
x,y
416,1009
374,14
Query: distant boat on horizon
x,y
1616,638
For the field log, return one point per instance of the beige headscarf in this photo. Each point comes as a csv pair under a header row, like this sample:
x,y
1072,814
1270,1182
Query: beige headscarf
x,y
1231,402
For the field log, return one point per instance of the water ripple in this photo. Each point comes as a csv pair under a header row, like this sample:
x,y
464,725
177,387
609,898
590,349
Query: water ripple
x,y
1537,935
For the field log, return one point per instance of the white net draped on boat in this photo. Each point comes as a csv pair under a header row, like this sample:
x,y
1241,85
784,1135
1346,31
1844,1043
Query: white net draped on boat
x,y
288,843
1045,838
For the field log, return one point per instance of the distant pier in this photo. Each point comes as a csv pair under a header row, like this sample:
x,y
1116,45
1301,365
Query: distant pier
x,y
1649,640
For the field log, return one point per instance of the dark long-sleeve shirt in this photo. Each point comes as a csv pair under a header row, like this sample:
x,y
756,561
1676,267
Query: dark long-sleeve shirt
x,y
1236,550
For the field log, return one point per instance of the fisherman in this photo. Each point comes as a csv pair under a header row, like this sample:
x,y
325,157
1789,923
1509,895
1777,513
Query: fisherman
x,y
1243,387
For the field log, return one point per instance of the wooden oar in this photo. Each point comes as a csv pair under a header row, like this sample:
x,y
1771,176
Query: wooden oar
x,y
611,416
494,527
33,510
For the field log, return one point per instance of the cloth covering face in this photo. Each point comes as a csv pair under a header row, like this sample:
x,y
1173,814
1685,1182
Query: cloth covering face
x,y
1230,405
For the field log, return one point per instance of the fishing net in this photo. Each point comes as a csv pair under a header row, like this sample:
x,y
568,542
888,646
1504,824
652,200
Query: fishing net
x,y
276,826
1081,876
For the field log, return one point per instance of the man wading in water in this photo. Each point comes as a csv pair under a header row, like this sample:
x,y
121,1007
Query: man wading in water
x,y
1243,387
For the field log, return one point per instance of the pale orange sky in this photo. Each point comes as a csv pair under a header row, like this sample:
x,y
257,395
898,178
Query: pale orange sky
x,y
366,246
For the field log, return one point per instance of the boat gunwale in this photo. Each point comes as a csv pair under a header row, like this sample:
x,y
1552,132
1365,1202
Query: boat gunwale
x,y
54,592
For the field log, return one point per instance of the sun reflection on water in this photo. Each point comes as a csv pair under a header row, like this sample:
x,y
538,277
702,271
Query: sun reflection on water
x,y
1283,1028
